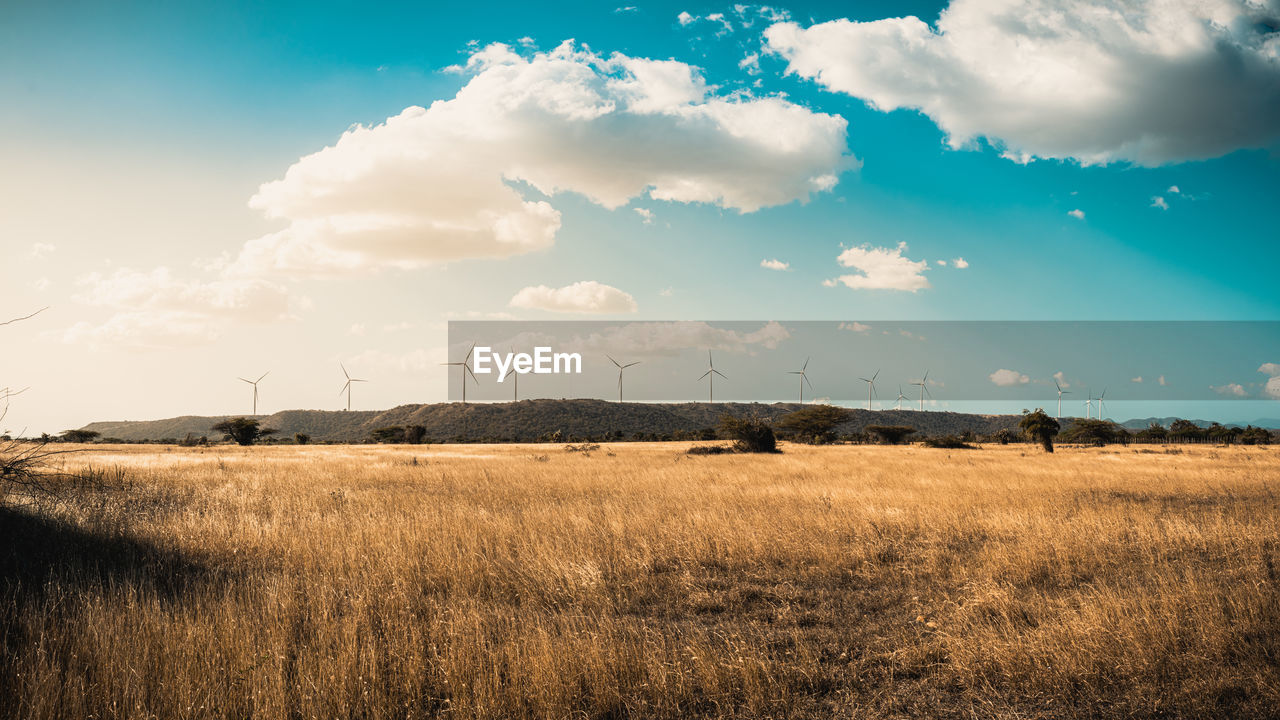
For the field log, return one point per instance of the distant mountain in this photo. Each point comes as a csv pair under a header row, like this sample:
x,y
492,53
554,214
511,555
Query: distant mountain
x,y
1144,423
530,420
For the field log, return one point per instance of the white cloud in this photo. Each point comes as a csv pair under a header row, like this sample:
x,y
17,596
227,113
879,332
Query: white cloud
x,y
1077,214
156,309
1272,386
1173,189
42,249
626,9
1136,380
1008,378
960,263
1230,389
1161,381
588,296
882,269
750,63
1061,379
685,18
775,264
646,215
1272,369
452,181
855,327
1095,81
667,292
668,339
1159,202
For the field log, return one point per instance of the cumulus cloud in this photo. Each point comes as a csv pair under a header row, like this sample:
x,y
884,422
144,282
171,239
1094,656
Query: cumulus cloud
x,y
882,269
1061,378
684,18
1008,378
1098,82
1136,379
1159,202
959,263
42,249
775,264
588,296
453,181
1230,390
646,215
158,309
855,327
1077,214
1272,386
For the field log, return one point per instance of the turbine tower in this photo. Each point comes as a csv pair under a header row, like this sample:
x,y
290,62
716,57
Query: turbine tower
x,y
711,374
254,383
466,370
1088,406
347,388
803,378
901,397
1061,392
1101,406
924,388
515,378
620,369
871,387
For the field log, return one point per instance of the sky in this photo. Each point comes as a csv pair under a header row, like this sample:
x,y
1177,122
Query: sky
x,y
199,194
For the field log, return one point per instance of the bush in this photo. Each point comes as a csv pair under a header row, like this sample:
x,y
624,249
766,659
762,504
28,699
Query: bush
x,y
751,434
301,438
949,442
1092,432
889,434
709,450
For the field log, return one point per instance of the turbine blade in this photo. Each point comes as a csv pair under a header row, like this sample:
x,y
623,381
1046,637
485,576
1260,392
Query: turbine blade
x,y
255,382
248,381
615,362
344,370
705,374
806,380
468,357
805,366
344,387
873,377
624,367
720,374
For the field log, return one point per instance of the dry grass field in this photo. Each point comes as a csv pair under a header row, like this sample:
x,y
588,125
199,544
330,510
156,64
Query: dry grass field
x,y
637,581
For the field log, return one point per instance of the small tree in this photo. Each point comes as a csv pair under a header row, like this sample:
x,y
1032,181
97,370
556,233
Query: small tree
x,y
814,425
1090,432
1185,431
245,431
416,434
890,434
1255,436
80,436
751,434
1154,432
1039,427
301,438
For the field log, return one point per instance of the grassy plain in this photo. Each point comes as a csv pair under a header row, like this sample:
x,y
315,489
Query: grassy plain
x,y
636,581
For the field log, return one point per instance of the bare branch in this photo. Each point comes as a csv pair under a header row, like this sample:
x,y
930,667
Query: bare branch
x,y
25,317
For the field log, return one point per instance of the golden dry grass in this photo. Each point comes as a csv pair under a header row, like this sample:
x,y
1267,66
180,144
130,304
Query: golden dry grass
x,y
525,581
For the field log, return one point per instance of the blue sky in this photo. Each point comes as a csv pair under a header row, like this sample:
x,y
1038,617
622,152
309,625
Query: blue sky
x,y
135,136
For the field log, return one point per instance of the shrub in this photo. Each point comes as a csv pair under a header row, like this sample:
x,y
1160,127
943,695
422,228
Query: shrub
x,y
301,438
751,434
948,442
889,434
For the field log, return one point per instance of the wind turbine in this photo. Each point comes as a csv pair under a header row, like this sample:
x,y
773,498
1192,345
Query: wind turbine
x,y
620,369
924,388
1088,406
515,378
803,378
254,383
901,397
466,370
871,387
711,373
1101,406
347,388
1061,392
